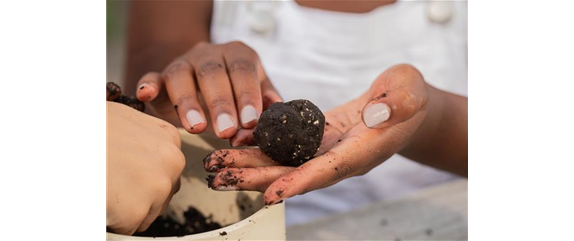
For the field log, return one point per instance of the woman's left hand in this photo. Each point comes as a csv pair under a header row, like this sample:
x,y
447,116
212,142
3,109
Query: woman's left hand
x,y
358,136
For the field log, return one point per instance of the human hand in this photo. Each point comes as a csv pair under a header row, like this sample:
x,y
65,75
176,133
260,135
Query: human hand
x,y
228,78
358,136
144,164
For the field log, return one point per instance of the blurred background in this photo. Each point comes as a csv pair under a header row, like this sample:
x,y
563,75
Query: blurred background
x,y
115,40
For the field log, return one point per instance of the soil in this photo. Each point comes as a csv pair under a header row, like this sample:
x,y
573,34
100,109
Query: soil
x,y
114,93
291,132
195,222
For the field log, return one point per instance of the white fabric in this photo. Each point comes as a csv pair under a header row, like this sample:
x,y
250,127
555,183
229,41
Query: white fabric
x,y
332,57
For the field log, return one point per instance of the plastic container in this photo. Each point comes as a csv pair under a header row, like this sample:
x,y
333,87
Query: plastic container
x,y
242,214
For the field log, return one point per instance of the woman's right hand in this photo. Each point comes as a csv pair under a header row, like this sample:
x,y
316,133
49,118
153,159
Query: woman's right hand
x,y
227,79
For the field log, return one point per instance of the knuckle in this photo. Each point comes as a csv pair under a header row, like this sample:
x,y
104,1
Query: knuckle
x,y
201,44
408,71
170,130
345,170
221,100
410,103
162,186
209,68
237,44
177,67
248,95
242,66
405,67
186,97
179,161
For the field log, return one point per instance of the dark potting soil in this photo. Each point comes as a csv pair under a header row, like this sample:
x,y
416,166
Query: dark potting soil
x,y
291,132
114,93
195,222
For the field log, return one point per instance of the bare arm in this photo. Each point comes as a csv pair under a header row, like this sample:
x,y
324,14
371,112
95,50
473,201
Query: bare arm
x,y
442,139
160,31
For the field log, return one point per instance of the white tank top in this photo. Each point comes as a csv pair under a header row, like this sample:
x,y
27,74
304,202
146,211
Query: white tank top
x,y
332,57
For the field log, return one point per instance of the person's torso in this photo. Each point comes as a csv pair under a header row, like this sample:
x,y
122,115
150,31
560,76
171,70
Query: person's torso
x,y
333,57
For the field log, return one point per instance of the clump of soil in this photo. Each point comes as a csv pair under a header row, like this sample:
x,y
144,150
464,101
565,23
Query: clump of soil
x,y
195,222
291,132
114,93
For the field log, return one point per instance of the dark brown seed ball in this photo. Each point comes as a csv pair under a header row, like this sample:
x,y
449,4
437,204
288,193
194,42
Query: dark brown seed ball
x,y
291,132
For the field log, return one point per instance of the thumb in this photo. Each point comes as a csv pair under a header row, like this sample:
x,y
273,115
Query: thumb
x,y
398,96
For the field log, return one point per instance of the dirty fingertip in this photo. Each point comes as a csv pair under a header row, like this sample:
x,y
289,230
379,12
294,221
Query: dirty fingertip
x,y
146,92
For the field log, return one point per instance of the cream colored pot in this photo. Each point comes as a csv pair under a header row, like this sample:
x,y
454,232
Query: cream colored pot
x,y
242,214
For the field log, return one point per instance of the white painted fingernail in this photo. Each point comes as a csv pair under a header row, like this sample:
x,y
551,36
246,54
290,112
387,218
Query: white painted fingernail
x,y
248,114
194,118
142,86
224,122
376,114
226,188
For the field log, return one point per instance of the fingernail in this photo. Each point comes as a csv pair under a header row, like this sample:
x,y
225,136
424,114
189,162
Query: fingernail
x,y
226,188
224,122
194,118
274,202
248,114
376,114
216,168
142,86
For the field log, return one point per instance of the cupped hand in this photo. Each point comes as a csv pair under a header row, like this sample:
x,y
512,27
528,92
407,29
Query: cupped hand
x,y
359,135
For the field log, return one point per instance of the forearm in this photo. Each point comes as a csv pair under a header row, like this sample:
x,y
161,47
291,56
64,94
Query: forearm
x,y
442,139
159,32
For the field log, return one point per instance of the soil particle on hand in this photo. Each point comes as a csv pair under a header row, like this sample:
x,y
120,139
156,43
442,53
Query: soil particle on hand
x,y
291,132
176,107
195,222
209,180
230,179
279,193
131,101
113,91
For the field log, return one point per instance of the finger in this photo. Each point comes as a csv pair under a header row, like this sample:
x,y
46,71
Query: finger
x,y
161,195
227,158
174,190
149,86
182,93
400,96
243,137
241,64
153,213
359,150
346,159
216,89
251,179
